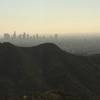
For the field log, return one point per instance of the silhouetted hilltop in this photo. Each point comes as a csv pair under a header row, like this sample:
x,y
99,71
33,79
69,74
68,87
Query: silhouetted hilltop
x,y
24,70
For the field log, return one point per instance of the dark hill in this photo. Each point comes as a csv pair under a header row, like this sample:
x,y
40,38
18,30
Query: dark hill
x,y
24,70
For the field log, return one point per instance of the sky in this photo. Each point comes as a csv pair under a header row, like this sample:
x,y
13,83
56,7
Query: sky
x,y
71,17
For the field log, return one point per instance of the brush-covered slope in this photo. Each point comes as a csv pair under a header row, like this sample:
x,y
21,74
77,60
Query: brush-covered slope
x,y
24,70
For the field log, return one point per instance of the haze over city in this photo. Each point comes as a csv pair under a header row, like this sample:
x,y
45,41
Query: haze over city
x,y
75,22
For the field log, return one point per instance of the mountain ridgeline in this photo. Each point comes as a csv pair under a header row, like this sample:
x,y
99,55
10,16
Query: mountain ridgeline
x,y
24,70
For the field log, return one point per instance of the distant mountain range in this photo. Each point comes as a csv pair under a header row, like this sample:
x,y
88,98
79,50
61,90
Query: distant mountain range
x,y
24,70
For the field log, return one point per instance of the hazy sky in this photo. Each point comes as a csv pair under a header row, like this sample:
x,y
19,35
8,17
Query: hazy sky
x,y
66,16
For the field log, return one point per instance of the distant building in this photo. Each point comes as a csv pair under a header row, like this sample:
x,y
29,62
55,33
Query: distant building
x,y
34,37
19,36
24,35
6,36
37,36
56,36
14,35
28,36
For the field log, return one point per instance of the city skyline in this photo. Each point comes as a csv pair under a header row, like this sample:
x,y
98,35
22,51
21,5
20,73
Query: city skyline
x,y
24,35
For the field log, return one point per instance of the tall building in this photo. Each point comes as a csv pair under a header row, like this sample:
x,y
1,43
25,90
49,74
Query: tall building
x,y
56,36
14,35
24,35
37,36
6,36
